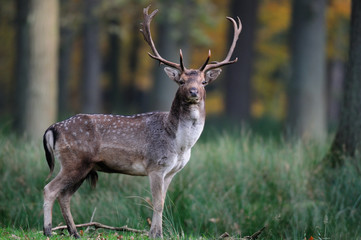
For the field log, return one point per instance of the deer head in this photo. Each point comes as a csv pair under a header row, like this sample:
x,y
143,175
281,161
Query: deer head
x,y
191,81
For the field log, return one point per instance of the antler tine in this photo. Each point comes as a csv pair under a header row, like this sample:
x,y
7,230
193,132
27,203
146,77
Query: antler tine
x,y
237,30
181,59
145,30
206,62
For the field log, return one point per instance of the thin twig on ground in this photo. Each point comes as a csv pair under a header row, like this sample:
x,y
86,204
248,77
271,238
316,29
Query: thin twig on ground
x,y
254,236
99,225
91,219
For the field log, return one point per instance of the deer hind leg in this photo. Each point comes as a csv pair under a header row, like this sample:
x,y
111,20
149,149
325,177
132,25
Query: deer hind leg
x,y
64,202
51,192
63,186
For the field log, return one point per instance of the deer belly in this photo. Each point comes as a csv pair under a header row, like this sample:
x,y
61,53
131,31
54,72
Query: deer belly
x,y
115,160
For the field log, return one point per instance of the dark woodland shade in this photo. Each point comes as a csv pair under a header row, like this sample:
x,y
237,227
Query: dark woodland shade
x,y
348,137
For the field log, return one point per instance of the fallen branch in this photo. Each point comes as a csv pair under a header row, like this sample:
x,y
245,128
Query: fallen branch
x,y
99,225
254,236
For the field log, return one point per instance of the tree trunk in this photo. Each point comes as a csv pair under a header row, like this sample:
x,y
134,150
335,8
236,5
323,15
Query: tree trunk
x,y
348,137
335,78
91,99
113,67
65,54
164,89
22,64
41,95
238,76
133,93
307,92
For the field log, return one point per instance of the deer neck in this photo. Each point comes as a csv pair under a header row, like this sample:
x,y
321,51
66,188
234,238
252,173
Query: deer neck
x,y
186,120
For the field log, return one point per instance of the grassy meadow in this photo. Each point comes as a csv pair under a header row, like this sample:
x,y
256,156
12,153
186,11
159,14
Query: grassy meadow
x,y
236,182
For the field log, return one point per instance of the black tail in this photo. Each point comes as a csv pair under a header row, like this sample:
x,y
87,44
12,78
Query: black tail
x,y
92,178
49,143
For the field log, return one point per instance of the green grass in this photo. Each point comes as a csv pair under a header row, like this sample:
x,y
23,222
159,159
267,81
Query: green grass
x,y
9,233
236,182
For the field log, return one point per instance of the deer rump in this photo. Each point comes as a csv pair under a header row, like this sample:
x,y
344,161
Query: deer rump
x,y
49,140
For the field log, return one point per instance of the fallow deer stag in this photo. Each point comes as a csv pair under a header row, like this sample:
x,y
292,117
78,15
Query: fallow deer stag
x,y
155,144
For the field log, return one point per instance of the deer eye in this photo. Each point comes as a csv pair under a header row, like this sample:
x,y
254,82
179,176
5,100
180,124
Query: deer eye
x,y
181,82
204,82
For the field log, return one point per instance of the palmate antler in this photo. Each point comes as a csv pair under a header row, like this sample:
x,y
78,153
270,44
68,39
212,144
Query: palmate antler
x,y
205,67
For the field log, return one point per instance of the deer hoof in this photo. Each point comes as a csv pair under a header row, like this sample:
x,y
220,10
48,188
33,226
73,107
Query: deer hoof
x,y
155,234
75,235
47,231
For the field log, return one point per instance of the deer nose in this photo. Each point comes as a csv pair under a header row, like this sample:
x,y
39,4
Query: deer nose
x,y
193,91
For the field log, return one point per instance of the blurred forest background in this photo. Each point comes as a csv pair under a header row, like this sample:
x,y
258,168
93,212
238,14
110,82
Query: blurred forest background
x,y
297,75
58,58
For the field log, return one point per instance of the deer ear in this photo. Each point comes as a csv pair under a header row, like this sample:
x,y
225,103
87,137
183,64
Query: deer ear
x,y
172,73
212,74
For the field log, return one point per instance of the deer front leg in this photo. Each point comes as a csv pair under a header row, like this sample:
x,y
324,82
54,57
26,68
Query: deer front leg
x,y
167,180
157,189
